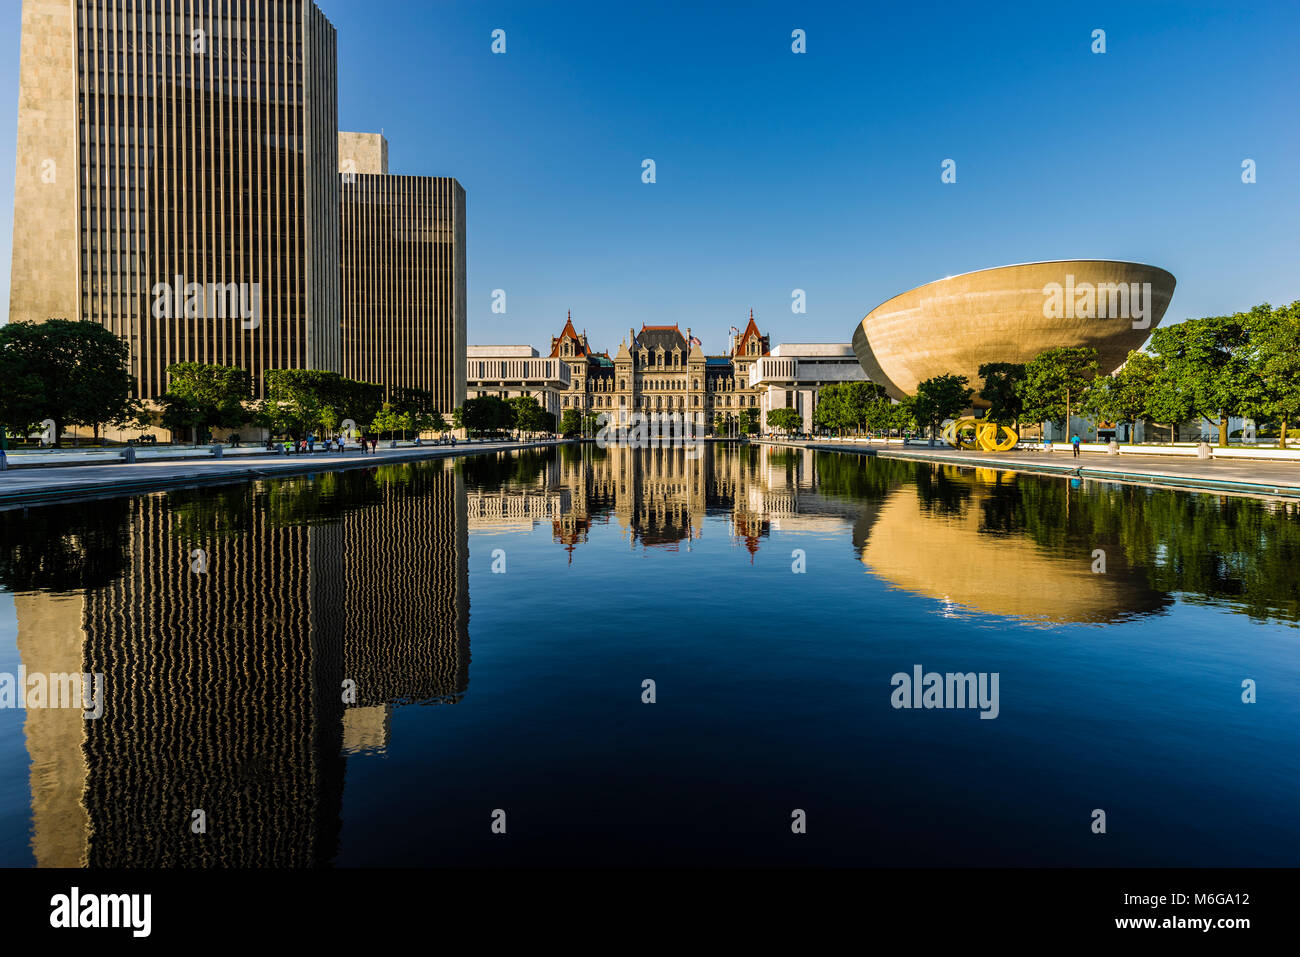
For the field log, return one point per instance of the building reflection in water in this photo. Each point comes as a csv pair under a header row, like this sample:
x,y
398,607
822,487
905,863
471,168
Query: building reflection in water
x,y
226,640
245,688
656,497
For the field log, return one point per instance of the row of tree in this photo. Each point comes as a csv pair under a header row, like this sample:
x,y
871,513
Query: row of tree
x,y
298,403
493,415
75,373
1246,364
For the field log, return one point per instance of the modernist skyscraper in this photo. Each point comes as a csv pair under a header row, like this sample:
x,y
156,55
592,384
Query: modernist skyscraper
x,y
177,180
403,242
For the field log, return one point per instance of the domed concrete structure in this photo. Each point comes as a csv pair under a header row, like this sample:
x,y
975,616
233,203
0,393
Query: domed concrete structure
x,y
1011,314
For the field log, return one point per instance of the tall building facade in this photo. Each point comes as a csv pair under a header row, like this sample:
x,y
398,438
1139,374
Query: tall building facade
x,y
177,180
403,275
660,370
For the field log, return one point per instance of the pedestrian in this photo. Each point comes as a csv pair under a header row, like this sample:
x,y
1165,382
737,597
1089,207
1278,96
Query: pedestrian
x,y
311,442
1075,442
374,445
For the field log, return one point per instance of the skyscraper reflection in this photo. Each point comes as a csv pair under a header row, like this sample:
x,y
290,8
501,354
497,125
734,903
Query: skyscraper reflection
x,y
249,644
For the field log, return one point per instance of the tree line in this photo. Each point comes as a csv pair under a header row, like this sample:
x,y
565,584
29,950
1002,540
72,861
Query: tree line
x,y
1217,367
76,373
1246,364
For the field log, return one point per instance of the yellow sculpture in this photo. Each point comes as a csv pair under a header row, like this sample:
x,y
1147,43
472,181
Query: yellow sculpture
x,y
983,436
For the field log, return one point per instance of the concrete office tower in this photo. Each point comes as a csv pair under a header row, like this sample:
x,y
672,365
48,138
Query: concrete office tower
x,y
403,240
176,180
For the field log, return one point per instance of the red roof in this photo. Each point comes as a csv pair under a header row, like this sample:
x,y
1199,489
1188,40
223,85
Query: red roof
x,y
751,330
568,332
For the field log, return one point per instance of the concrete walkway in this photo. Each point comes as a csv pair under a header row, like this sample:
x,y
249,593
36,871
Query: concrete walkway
x,y
30,486
1237,476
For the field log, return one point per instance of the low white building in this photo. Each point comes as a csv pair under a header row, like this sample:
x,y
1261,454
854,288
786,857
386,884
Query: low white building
x,y
511,371
792,375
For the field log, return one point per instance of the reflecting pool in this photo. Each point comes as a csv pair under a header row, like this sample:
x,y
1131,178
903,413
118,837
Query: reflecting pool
x,y
652,657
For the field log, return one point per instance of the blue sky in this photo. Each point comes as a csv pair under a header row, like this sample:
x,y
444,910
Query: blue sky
x,y
820,171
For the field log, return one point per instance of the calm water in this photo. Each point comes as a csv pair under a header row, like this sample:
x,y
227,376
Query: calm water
x,y
490,623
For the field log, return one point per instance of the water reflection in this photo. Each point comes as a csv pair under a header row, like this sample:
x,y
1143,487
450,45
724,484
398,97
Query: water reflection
x,y
325,602
252,639
974,539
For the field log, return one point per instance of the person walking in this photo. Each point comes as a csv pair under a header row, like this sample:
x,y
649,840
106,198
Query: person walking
x,y
311,442
1075,442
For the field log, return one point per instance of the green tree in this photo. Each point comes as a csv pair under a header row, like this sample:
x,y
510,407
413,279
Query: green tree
x,y
385,420
940,398
1274,365
488,413
1205,367
201,397
860,400
747,421
435,422
1001,390
1056,381
787,420
408,399
22,398
352,399
903,414
837,408
571,422
881,415
75,370
299,401
1124,396
528,414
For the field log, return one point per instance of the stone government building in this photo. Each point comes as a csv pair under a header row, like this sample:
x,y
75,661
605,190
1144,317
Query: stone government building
x,y
660,370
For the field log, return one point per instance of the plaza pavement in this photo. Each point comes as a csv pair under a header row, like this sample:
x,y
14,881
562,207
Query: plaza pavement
x,y
1225,475
33,485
